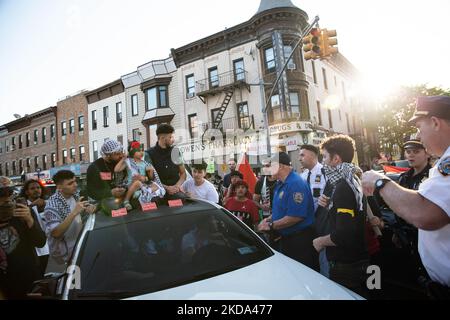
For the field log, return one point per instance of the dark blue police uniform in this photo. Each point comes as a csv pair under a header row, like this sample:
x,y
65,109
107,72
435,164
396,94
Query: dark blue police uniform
x,y
293,198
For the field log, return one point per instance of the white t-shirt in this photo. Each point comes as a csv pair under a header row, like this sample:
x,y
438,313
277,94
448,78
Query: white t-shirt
x,y
434,246
205,191
317,182
44,251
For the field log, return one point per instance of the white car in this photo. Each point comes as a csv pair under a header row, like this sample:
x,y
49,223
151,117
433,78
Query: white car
x,y
197,251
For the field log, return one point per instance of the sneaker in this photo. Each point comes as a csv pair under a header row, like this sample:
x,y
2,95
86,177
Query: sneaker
x,y
127,205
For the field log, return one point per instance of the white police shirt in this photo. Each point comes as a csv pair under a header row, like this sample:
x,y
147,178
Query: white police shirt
x,y
317,182
434,246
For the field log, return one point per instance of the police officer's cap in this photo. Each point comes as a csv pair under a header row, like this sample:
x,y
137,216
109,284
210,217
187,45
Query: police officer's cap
x,y
432,106
164,129
413,144
281,158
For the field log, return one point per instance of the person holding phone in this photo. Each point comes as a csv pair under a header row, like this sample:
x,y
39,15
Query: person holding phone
x,y
62,213
20,233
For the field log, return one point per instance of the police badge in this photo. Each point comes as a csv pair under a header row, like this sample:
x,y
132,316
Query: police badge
x,y
444,167
298,197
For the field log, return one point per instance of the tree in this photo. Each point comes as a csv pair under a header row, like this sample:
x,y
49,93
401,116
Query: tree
x,y
396,110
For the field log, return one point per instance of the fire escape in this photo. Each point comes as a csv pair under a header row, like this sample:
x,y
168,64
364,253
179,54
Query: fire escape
x,y
226,84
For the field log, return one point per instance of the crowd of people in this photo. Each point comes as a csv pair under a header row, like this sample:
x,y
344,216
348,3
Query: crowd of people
x,y
328,217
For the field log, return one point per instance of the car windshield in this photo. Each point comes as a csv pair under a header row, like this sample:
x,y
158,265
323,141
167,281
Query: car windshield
x,y
164,252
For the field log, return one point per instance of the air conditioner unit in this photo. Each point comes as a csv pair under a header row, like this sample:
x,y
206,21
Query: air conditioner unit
x,y
291,66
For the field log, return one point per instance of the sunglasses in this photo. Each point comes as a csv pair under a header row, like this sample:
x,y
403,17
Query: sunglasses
x,y
6,191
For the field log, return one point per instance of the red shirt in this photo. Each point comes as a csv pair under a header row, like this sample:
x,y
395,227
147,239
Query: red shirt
x,y
247,211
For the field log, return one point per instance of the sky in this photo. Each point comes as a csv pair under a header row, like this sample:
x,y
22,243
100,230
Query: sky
x,y
50,49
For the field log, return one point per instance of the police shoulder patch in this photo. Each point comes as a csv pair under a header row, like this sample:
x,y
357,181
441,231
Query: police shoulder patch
x,y
444,167
298,197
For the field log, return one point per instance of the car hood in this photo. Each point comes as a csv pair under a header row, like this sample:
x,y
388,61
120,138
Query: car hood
x,y
275,278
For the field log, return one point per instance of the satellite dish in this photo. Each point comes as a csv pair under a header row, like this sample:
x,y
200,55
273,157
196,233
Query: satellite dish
x,y
17,116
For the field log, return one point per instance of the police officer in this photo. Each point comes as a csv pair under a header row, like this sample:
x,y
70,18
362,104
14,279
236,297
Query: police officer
x,y
428,208
292,213
168,162
309,158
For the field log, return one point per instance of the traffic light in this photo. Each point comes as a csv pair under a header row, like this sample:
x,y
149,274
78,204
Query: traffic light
x,y
327,41
311,44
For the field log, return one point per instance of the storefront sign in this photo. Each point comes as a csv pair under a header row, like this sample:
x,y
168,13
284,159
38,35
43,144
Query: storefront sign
x,y
290,127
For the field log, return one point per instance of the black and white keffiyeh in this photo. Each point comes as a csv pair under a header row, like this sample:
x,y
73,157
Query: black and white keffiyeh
x,y
349,173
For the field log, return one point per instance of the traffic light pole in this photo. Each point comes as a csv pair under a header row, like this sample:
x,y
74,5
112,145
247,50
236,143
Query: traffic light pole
x,y
266,102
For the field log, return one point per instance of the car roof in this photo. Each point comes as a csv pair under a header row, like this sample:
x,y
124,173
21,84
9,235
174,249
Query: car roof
x,y
189,206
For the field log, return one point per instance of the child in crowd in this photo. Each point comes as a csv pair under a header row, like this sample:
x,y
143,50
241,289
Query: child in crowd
x,y
140,175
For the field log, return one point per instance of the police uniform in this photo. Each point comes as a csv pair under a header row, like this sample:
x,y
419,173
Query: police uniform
x,y
293,198
434,246
316,182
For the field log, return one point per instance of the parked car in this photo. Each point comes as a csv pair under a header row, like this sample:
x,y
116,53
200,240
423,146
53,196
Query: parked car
x,y
197,251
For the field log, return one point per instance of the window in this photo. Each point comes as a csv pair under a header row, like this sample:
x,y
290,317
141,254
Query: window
x,y
344,94
44,162
239,71
81,123
120,139
14,171
20,141
330,118
269,58
7,145
319,113
213,77
81,152
244,116
295,104
95,150
136,135
1,170
187,266
27,139
64,156
72,155
13,143
119,112
156,98
314,71
276,108
53,160
35,136
20,166
28,164
71,126
134,105
6,169
52,132
94,119
348,123
287,52
63,128
190,86
44,135
36,163
325,82
193,125
105,117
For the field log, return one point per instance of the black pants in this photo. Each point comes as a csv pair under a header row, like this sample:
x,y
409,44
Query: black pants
x,y
299,246
351,275
43,262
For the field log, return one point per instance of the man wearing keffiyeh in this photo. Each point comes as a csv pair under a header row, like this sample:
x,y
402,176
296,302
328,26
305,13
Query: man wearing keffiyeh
x,y
346,248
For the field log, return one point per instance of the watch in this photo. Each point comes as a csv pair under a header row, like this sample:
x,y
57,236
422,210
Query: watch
x,y
380,183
